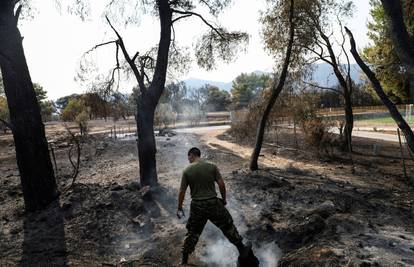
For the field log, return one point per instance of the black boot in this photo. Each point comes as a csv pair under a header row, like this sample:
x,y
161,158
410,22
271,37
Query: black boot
x,y
184,258
246,257
244,249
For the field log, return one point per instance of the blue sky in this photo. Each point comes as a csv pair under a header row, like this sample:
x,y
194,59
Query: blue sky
x,y
54,43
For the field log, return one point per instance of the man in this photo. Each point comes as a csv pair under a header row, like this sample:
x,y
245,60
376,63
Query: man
x,y
201,176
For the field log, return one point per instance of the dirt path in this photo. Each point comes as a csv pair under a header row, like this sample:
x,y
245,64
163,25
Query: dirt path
x,y
271,158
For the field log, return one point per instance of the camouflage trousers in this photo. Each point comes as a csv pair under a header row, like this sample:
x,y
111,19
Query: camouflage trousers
x,y
213,210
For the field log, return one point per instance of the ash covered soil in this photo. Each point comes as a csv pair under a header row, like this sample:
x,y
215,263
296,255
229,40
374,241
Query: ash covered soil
x,y
297,210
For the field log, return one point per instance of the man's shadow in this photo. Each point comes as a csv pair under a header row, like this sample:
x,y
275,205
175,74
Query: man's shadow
x,y
44,238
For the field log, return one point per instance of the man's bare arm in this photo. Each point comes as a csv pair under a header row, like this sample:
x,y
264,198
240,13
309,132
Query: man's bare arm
x,y
222,188
181,197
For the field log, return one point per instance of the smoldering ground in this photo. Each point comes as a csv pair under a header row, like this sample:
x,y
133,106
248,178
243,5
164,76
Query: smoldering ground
x,y
106,220
213,248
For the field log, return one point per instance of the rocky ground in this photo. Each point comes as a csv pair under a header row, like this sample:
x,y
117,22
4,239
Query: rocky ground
x,y
297,210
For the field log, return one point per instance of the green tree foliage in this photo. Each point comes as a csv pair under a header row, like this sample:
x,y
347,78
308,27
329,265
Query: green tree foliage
x,y
382,56
247,87
47,107
73,109
119,106
97,107
76,111
215,99
62,102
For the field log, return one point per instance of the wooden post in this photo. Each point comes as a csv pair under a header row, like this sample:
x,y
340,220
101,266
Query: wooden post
x,y
54,158
115,131
277,136
375,150
295,137
350,154
111,133
402,154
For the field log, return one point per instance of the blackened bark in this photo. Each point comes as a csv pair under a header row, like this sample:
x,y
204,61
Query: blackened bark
x,y
146,144
276,89
149,99
411,87
32,154
395,114
349,116
403,42
349,120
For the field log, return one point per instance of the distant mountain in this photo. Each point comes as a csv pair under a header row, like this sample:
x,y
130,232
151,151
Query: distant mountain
x,y
322,75
197,83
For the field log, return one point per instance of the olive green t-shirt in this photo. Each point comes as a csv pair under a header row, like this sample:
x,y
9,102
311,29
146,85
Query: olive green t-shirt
x,y
201,177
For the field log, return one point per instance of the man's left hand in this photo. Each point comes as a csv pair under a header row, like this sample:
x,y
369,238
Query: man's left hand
x,y
180,213
223,201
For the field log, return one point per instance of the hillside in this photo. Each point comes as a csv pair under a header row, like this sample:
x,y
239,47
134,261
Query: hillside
x,y
323,75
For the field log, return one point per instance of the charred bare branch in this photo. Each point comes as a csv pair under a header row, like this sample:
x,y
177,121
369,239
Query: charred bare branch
x,y
99,45
348,70
135,57
181,17
324,87
131,63
190,13
18,12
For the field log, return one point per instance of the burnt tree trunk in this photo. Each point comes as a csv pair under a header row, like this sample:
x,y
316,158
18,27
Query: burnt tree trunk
x,y
149,99
349,120
149,95
347,93
276,89
403,42
395,114
32,154
146,143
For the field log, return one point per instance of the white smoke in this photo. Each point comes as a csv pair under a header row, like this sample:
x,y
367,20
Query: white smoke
x,y
268,254
222,253
219,253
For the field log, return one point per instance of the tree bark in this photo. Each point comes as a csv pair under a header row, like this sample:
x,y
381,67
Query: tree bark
x,y
146,144
403,42
276,89
349,120
32,154
349,116
149,99
395,114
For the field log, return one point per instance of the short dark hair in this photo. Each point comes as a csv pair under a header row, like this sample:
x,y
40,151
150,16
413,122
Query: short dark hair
x,y
194,151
